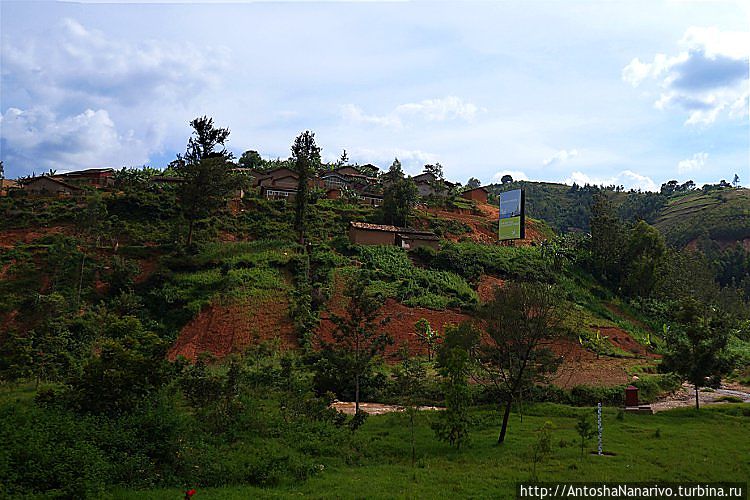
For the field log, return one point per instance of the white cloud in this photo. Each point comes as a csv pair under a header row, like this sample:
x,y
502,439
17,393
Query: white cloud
x,y
516,174
83,98
709,76
697,162
561,156
626,178
412,160
90,139
431,110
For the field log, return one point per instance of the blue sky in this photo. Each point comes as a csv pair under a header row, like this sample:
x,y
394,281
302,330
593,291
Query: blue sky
x,y
632,93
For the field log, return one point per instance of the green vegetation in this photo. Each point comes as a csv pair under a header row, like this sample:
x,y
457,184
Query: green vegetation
x,y
94,291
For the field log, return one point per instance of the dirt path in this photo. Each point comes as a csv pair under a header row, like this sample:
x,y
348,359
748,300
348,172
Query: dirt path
x,y
685,397
347,407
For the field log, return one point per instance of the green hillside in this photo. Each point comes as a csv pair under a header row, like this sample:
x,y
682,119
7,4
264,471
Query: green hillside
x,y
722,215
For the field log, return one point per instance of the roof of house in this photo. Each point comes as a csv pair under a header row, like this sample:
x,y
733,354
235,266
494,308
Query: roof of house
x,y
88,171
26,182
406,231
482,188
424,177
418,236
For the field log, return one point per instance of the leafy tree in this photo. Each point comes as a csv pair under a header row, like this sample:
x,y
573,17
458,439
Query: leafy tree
x,y
251,159
395,172
427,336
436,170
645,248
16,356
2,170
454,366
585,429
506,179
204,140
368,170
399,199
520,323
358,339
343,159
607,240
669,187
206,172
696,346
123,375
306,158
473,183
410,382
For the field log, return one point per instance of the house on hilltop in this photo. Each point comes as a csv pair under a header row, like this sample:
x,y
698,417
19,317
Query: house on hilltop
x,y
362,233
49,186
96,177
476,194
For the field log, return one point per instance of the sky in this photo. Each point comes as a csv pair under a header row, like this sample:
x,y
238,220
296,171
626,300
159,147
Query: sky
x,y
632,93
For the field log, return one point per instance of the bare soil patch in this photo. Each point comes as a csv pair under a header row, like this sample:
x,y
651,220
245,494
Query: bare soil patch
x,y
684,397
400,321
10,237
347,407
225,329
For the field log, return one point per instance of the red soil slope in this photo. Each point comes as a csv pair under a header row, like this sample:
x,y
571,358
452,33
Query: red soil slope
x,y
225,329
400,325
484,224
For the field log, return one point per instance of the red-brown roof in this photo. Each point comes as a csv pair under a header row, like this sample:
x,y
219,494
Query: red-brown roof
x,y
391,229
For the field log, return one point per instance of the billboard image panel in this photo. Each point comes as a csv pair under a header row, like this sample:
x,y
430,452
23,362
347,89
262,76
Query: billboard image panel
x,y
512,215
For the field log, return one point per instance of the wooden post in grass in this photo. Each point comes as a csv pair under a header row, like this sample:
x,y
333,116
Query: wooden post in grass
x,y
599,423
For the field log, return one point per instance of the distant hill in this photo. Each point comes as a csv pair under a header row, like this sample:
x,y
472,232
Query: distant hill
x,y
721,215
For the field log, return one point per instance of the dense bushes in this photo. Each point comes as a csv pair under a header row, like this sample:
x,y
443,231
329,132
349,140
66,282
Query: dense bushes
x,y
470,260
396,276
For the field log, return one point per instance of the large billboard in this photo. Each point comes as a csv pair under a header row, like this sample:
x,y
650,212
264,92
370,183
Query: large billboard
x,y
512,215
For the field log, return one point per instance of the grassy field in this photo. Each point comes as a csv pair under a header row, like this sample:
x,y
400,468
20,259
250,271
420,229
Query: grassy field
x,y
677,445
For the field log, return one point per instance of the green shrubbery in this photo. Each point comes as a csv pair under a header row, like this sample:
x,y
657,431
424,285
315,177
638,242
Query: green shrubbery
x,y
396,276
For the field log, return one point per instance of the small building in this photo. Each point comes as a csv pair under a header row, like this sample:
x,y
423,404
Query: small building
x,y
97,177
477,194
49,186
362,233
6,185
411,240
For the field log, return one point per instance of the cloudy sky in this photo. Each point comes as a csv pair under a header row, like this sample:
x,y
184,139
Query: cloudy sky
x,y
632,93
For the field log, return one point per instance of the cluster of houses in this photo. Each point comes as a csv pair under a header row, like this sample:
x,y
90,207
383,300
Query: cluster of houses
x,y
67,184
281,183
278,184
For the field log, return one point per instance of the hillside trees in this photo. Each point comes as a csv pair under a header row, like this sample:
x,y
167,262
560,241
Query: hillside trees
x,y
358,338
519,325
696,345
473,183
251,159
206,172
399,199
607,240
454,364
306,162
645,248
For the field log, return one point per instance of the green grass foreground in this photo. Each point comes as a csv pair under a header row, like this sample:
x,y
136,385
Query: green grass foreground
x,y
677,445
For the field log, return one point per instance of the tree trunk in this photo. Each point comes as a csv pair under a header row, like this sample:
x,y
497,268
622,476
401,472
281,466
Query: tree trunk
x,y
697,401
504,428
190,232
356,394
